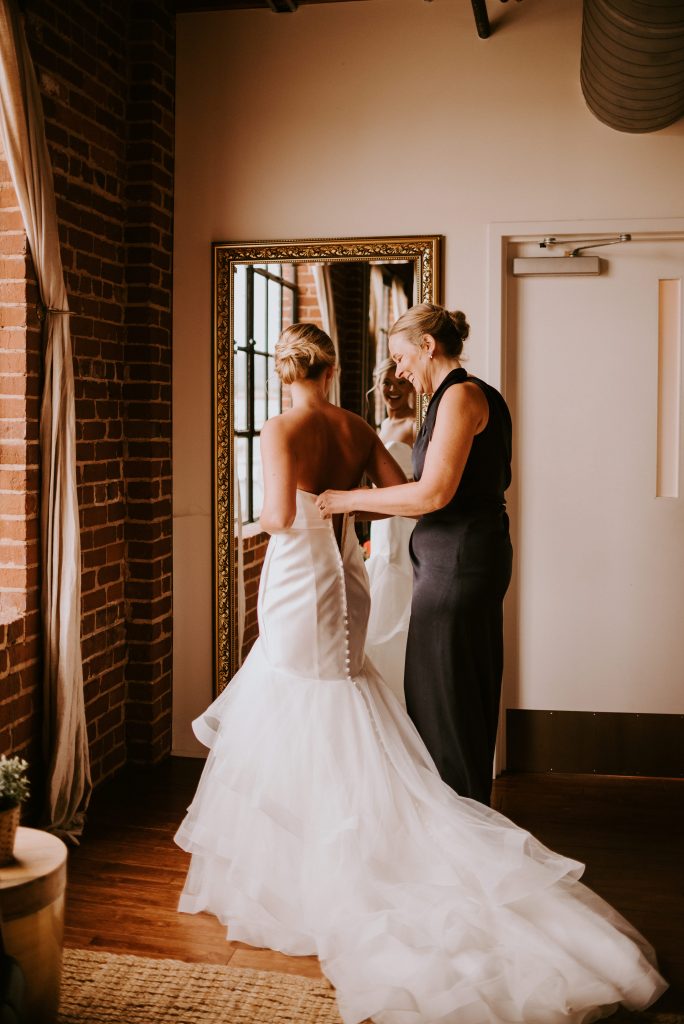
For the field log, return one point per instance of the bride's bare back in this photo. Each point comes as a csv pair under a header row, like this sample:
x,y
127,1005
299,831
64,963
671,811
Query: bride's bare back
x,y
328,444
313,447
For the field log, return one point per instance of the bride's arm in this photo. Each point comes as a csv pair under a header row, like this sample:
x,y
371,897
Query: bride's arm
x,y
381,467
280,478
384,471
459,418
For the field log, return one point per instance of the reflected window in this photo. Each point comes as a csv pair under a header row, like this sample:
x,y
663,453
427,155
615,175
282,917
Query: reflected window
x,y
264,302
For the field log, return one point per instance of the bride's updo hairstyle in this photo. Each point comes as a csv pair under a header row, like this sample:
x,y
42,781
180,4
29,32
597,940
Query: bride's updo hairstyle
x,y
449,329
303,351
382,368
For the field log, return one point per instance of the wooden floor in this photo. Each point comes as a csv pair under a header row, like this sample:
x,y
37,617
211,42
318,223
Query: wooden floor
x,y
125,877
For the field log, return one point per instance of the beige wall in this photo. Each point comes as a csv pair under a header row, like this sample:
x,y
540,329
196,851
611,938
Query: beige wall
x,y
381,117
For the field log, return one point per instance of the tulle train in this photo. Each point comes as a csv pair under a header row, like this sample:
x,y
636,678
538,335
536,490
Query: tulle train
x,y
321,827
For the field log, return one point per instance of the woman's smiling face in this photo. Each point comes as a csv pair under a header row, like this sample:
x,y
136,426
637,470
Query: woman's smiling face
x,y
395,392
410,361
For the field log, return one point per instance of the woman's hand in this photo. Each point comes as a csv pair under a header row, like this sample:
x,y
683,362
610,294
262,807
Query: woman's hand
x,y
331,502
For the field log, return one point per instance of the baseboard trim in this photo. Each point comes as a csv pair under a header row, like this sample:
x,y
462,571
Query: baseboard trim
x,y
198,755
588,742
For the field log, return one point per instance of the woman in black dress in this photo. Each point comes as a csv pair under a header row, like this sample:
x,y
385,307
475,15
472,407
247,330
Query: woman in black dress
x,y
460,548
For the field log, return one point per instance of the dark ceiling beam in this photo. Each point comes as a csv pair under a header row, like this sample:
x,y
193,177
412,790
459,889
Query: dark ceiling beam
x,y
481,18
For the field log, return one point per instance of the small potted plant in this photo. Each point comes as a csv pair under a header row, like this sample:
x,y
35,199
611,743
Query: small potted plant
x,y
14,789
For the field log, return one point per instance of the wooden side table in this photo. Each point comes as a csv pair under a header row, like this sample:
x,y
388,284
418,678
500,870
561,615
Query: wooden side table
x,y
32,904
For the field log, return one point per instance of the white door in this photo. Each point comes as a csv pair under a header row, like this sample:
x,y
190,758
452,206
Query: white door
x,y
595,616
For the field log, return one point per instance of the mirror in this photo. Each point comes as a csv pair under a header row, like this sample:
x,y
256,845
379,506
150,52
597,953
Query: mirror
x,y
354,289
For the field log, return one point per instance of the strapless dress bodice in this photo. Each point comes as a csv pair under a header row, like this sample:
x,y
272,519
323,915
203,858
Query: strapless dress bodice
x,y
307,516
402,454
313,597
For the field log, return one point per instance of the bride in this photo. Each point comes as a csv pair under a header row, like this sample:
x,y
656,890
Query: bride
x,y
320,824
390,573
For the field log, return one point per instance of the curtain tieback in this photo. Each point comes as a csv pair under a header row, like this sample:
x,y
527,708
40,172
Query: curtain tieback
x,y
44,310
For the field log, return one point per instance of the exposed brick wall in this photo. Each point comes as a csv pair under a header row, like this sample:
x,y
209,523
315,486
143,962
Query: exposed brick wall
x,y
308,308
254,552
106,73
80,60
20,363
147,388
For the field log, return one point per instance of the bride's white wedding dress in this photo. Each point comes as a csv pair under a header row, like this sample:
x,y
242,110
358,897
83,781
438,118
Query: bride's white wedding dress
x,y
390,575
320,826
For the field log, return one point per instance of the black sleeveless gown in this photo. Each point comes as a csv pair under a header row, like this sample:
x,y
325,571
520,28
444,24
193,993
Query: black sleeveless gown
x,y
462,559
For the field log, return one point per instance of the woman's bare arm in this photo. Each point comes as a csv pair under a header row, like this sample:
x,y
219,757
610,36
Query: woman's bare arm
x,y
459,418
280,477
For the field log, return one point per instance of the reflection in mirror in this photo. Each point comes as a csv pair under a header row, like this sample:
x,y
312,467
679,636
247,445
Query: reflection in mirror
x,y
354,291
355,303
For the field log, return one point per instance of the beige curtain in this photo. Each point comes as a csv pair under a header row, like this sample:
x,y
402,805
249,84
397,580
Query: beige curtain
x,y
23,135
399,300
377,328
378,313
326,303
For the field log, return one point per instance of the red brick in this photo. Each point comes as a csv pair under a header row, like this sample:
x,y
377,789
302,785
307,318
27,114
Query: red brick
x,y
24,731
118,267
13,338
12,362
13,293
12,244
8,197
14,530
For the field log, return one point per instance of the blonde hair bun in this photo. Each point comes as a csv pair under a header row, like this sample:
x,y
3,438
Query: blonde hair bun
x,y
460,323
449,329
303,351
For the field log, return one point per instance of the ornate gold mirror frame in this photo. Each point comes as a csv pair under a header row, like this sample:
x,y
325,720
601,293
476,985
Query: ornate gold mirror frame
x,y
425,254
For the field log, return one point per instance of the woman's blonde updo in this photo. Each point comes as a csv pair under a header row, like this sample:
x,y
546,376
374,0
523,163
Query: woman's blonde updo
x,y
303,351
449,329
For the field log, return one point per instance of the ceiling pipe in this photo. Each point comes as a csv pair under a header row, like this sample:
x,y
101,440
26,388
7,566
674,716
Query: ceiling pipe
x,y
481,18
632,63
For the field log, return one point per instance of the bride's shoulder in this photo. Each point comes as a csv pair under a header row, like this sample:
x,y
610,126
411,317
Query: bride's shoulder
x,y
358,431
274,424
353,420
283,421
280,429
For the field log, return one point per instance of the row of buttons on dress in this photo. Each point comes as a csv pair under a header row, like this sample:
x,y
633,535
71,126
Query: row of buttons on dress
x,y
343,588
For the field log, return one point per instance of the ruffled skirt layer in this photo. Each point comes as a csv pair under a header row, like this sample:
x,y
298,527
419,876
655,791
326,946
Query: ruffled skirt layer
x,y
320,826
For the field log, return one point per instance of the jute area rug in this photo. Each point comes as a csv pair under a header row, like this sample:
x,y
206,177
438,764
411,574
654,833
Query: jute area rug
x,y
108,988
